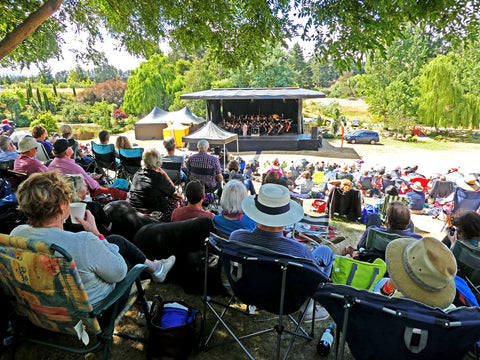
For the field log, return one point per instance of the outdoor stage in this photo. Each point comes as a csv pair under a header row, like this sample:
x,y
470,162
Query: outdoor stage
x,y
288,142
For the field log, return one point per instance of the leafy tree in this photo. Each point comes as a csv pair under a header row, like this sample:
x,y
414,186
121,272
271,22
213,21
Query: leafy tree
x,y
151,84
45,72
61,76
301,67
343,30
74,113
104,72
323,75
101,113
9,100
46,120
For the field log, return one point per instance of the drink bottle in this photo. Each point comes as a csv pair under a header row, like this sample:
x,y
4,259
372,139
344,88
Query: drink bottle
x,y
325,343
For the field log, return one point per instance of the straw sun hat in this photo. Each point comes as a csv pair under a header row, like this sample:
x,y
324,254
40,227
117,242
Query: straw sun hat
x,y
417,186
423,270
272,206
469,183
26,144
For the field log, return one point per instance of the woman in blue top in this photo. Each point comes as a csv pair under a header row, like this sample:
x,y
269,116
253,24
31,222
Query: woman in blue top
x,y
232,217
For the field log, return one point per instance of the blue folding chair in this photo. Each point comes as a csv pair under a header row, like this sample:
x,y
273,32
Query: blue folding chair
x,y
105,156
465,200
378,327
270,281
130,162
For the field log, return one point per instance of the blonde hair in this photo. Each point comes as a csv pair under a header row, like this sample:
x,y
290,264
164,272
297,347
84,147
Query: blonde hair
x,y
40,196
76,183
151,159
123,143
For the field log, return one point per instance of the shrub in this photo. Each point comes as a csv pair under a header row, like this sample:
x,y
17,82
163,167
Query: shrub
x,y
46,120
22,120
111,91
74,113
327,135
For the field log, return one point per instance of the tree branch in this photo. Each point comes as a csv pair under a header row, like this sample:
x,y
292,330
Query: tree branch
x,y
23,30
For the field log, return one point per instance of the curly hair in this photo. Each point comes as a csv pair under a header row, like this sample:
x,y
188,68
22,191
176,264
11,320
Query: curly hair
x,y
123,143
38,131
151,159
40,195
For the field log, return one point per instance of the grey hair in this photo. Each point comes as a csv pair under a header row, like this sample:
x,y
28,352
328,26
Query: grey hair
x,y
76,183
203,145
169,143
151,159
66,130
4,142
232,196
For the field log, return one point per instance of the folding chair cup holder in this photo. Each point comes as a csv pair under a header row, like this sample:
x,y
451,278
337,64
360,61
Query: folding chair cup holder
x,y
286,283
59,302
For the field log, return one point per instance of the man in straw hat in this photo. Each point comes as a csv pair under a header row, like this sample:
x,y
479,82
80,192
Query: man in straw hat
x,y
26,162
272,209
417,197
468,183
422,270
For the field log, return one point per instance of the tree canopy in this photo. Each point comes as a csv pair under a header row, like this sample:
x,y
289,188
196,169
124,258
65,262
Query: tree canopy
x,y
343,30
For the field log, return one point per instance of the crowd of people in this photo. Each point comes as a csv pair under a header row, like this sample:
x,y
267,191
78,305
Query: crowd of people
x,y
259,125
255,204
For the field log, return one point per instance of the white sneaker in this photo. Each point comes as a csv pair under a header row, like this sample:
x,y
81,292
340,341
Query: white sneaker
x,y
165,266
320,314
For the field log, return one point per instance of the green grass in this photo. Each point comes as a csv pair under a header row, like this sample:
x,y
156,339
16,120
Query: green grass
x,y
424,145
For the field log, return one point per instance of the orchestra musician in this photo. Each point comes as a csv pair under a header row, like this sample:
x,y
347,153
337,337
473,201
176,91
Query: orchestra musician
x,y
258,124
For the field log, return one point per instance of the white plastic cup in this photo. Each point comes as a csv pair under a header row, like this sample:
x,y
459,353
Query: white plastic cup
x,y
77,209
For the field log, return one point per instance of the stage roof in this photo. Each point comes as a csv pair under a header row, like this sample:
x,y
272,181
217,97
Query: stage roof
x,y
254,93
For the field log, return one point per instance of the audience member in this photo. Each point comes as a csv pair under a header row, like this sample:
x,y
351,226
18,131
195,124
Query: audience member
x,y
465,227
63,162
6,128
104,137
152,189
101,262
178,173
205,168
41,135
234,173
397,222
417,197
305,182
26,162
195,193
7,149
232,217
123,143
79,156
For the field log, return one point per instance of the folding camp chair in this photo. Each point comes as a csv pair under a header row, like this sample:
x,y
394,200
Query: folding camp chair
x,y
468,262
130,162
105,157
268,280
378,327
465,200
316,229
376,244
173,171
441,189
42,283
5,166
41,154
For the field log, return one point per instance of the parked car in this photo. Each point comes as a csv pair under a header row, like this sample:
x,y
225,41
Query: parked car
x,y
363,136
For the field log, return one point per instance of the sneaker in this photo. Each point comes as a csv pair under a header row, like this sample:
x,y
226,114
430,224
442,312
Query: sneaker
x,y
320,314
165,266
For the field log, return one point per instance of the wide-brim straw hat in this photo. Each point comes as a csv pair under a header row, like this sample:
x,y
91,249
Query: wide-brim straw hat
x,y
417,186
272,206
27,143
423,270
469,183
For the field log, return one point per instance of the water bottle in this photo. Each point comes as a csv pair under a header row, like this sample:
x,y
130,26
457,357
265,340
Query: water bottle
x,y
325,343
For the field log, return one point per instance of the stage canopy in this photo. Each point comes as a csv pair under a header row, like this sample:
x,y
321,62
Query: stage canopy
x,y
152,125
255,101
213,134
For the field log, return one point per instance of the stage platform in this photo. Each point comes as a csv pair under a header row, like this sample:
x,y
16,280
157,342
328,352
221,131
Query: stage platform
x,y
285,142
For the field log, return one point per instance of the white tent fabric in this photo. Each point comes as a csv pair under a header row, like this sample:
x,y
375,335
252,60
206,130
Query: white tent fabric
x,y
213,134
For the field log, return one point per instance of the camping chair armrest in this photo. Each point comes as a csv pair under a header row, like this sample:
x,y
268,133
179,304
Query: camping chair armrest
x,y
120,289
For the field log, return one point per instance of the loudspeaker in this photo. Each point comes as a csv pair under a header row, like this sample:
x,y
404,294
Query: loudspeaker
x,y
314,133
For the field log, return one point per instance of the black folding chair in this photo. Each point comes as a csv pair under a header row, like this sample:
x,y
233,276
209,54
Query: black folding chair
x,y
270,281
468,262
378,327
105,157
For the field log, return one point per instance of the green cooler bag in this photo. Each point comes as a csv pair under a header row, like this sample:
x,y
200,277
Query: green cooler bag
x,y
359,274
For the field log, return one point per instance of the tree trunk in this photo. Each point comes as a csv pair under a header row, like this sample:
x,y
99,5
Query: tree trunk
x,y
22,31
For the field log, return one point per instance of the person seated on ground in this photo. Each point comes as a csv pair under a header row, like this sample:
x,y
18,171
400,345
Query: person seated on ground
x,y
152,189
397,222
173,174
104,137
305,182
6,128
26,162
248,172
440,188
465,227
63,162
234,173
417,197
101,262
7,149
195,193
40,134
272,178
232,217
275,167
422,270
205,168
79,192
272,209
